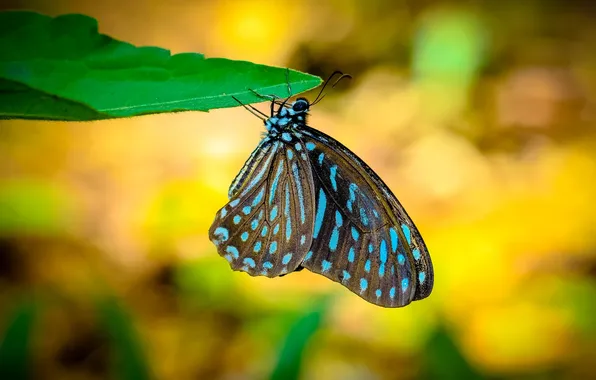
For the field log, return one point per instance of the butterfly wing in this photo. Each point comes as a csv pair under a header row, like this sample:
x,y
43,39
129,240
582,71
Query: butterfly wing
x,y
265,229
362,237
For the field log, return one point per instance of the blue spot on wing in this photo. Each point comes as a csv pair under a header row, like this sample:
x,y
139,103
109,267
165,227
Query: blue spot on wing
x,y
363,284
223,232
416,253
338,219
250,262
298,183
334,239
353,188
275,182
355,234
273,247
288,228
321,205
287,213
233,251
406,231
273,213
346,275
394,240
363,217
286,259
258,198
404,284
383,251
333,173
335,233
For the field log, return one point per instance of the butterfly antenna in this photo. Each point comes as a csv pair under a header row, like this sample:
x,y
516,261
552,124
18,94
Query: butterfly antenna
x,y
319,97
326,83
252,110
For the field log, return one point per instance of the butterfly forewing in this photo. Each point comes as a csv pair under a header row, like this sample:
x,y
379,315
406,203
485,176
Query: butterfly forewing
x,y
266,227
362,237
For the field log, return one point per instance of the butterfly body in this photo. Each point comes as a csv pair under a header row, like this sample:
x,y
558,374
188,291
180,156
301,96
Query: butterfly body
x,y
302,199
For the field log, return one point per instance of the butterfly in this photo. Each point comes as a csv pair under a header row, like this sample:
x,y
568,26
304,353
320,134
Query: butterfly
x,y
304,200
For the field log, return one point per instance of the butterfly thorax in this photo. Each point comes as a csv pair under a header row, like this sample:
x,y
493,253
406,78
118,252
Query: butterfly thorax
x,y
288,118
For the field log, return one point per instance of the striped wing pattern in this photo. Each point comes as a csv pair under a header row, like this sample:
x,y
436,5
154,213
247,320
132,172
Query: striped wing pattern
x,y
265,229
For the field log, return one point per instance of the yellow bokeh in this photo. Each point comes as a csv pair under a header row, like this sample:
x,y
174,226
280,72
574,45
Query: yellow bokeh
x,y
479,118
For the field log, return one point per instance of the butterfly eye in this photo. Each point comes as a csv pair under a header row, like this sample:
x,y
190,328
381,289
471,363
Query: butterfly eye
x,y
300,105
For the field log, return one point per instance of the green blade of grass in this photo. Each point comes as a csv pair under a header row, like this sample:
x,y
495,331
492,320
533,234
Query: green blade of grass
x,y
444,360
290,358
15,344
129,361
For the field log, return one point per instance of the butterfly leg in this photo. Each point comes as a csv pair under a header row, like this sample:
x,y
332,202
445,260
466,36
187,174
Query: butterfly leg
x,y
251,109
272,98
268,97
288,82
289,89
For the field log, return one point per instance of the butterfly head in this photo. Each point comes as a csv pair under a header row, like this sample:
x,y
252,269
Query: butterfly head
x,y
300,107
289,117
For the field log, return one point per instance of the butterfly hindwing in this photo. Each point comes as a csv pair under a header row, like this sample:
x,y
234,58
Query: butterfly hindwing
x,y
362,236
265,229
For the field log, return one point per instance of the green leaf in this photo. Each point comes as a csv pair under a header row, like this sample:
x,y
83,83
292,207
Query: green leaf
x,y
290,358
14,345
62,69
129,359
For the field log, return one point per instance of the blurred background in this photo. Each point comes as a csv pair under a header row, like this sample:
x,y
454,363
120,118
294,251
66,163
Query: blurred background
x,y
481,118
